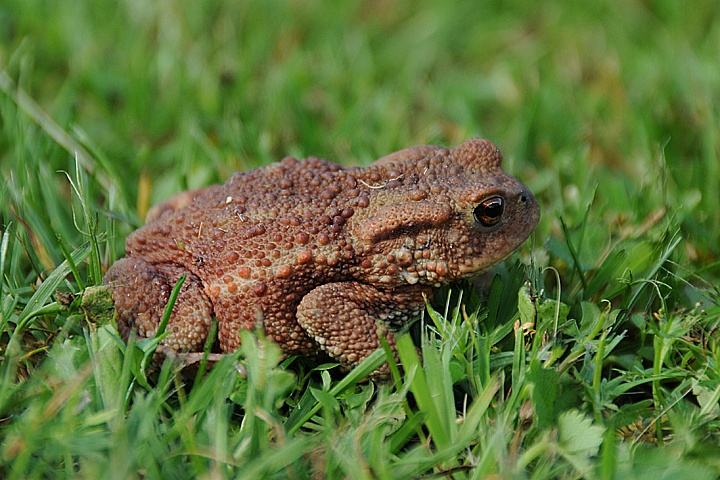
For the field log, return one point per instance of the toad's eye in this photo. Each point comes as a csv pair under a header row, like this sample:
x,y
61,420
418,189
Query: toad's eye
x,y
490,211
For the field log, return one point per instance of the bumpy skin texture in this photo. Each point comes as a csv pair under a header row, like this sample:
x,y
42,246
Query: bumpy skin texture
x,y
320,256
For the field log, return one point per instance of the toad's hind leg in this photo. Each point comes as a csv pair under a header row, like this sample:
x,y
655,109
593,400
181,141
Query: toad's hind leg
x,y
141,291
344,318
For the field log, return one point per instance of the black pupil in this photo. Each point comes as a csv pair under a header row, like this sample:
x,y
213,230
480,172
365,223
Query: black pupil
x,y
490,211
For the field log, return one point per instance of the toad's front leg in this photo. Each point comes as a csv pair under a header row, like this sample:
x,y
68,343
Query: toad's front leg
x,y
344,318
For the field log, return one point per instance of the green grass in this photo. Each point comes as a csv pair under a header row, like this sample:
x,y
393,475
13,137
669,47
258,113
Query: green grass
x,y
593,353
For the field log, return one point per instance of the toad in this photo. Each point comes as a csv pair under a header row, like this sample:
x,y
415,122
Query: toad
x,y
322,258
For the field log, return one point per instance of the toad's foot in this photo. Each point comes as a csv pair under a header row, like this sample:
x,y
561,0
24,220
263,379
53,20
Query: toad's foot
x,y
141,291
346,319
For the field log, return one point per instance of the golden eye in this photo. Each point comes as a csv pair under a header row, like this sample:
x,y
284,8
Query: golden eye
x,y
490,211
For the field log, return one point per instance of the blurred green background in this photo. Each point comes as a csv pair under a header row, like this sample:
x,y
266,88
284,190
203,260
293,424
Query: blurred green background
x,y
615,97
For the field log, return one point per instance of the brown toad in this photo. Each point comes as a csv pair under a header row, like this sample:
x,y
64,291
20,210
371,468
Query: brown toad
x,y
317,254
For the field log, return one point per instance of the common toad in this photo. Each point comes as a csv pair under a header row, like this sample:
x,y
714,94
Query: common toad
x,y
319,255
